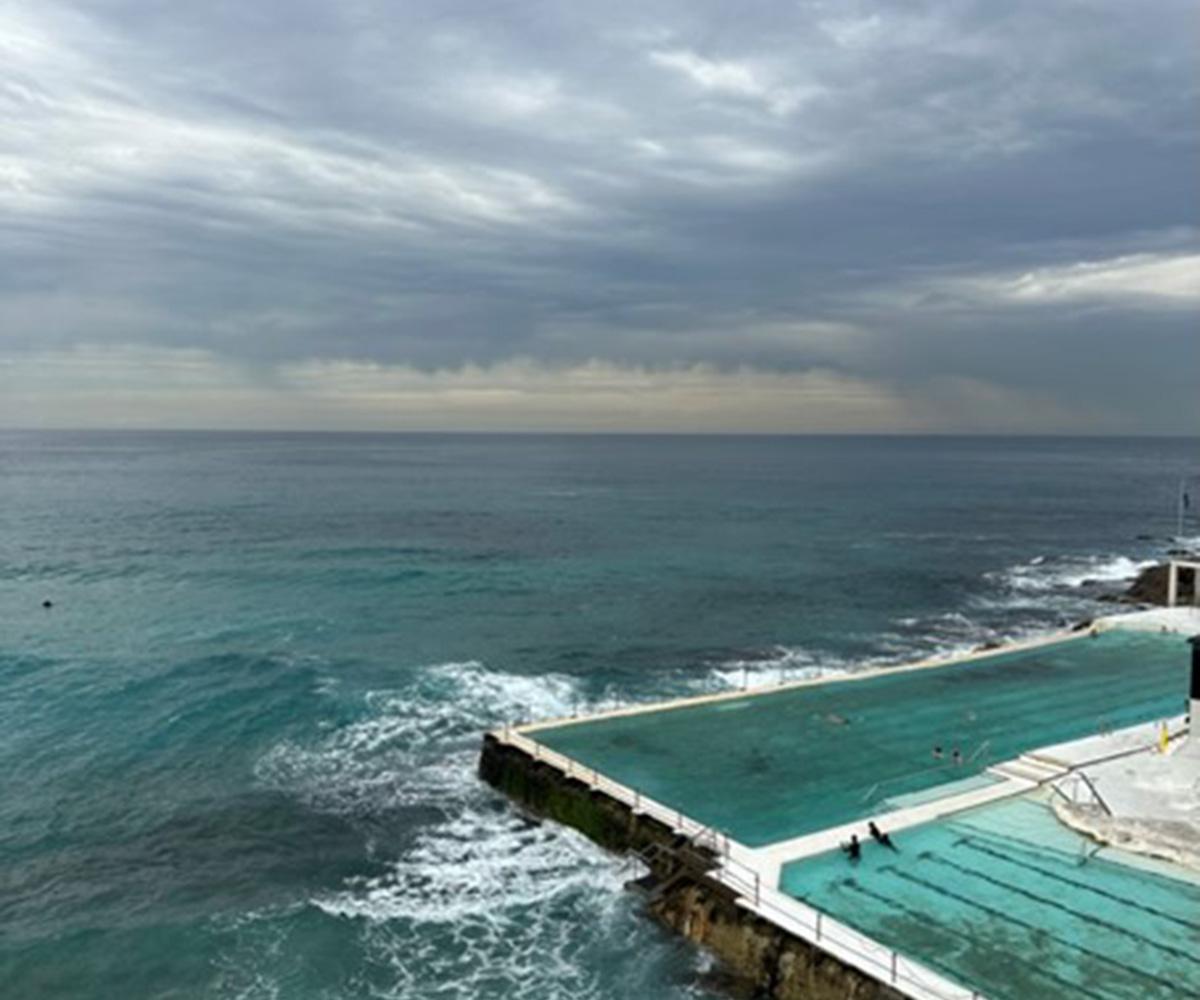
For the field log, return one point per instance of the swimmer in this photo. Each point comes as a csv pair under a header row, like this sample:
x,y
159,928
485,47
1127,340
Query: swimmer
x,y
853,849
937,752
880,837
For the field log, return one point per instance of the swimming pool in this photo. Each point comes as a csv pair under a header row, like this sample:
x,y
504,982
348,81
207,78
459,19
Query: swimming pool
x,y
1006,900
769,767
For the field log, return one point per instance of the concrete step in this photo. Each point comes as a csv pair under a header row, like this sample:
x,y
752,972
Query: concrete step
x,y
1027,769
1044,765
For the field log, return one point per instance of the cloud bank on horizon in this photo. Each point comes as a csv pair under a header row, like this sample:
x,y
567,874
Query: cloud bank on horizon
x,y
768,216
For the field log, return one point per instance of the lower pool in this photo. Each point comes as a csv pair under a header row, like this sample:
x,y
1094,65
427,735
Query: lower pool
x,y
1006,900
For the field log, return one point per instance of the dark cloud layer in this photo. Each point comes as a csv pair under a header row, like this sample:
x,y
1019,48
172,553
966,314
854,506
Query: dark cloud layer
x,y
999,198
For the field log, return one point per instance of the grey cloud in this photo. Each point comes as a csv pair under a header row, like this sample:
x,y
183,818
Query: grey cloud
x,y
787,186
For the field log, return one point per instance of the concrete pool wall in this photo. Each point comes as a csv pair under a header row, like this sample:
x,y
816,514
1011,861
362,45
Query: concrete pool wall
x,y
780,947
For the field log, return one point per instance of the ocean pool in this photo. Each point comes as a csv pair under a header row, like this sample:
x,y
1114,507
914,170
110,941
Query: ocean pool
x,y
773,766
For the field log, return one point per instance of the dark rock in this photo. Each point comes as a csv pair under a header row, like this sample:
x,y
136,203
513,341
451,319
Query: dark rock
x,y
1150,587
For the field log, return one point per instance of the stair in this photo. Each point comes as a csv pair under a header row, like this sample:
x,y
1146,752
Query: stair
x,y
1038,770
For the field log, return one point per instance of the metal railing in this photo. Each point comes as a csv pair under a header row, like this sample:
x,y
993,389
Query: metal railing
x,y
848,945
1074,779
800,919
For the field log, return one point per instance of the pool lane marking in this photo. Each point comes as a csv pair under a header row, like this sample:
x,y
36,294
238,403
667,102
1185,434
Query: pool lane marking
x,y
923,919
1051,904
1115,897
1036,928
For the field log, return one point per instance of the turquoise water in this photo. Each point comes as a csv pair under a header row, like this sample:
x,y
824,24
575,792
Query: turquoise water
x,y
238,754
940,791
1006,900
779,765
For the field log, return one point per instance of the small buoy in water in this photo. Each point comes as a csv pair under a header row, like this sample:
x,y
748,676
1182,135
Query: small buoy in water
x,y
47,603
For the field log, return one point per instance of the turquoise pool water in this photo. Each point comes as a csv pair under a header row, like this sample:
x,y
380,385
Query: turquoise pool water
x,y
1006,900
775,766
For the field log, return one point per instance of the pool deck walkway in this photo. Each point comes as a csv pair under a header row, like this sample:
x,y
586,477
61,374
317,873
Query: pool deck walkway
x,y
770,860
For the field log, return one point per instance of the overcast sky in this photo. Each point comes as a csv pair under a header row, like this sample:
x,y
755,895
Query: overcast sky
x,y
776,216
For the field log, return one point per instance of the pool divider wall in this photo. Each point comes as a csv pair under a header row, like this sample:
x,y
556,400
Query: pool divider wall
x,y
773,962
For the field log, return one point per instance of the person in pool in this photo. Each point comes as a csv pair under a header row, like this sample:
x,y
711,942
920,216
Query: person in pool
x,y
853,849
880,837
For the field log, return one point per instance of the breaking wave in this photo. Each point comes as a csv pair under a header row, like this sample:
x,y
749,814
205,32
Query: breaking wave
x,y
1043,575
478,901
781,665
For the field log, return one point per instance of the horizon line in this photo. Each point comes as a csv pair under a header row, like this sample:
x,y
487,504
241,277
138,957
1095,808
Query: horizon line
x,y
433,432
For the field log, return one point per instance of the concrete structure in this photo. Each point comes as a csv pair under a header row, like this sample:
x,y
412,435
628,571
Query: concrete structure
x,y
1193,748
1173,568
723,894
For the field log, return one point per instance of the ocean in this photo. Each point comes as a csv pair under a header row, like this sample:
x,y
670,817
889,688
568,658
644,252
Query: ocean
x,y
237,753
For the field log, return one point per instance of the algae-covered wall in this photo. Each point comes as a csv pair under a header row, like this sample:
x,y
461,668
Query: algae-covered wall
x,y
771,962
548,792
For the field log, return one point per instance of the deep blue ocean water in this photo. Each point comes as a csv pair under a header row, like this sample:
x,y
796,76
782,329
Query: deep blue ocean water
x,y
237,754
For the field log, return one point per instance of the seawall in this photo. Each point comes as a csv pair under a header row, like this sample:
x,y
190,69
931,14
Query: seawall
x,y
769,961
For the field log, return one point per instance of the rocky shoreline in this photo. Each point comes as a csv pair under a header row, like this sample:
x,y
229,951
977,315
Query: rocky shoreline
x,y
1150,585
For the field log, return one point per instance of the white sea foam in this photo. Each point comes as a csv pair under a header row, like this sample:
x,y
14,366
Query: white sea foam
x,y
1041,575
943,636
480,902
779,666
474,866
413,742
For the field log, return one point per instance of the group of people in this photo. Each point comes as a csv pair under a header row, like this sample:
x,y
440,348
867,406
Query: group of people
x,y
853,849
955,754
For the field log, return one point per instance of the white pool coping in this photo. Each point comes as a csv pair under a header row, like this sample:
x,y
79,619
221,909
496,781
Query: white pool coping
x,y
1178,620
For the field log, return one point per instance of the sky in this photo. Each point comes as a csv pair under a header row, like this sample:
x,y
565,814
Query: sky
x,y
797,217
